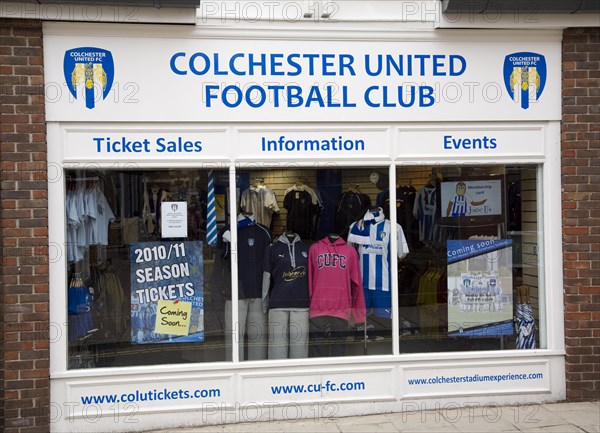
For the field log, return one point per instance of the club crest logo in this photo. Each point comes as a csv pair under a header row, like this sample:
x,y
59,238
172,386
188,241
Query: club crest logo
x,y
91,70
251,242
525,77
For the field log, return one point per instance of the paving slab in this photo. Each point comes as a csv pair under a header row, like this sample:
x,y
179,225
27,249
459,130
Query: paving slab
x,y
532,416
385,427
481,424
586,414
563,428
434,429
430,421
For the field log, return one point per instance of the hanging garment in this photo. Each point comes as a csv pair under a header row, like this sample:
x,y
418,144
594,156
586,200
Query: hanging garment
x,y
79,306
88,218
109,305
424,211
261,202
351,207
427,300
300,212
514,206
152,209
525,324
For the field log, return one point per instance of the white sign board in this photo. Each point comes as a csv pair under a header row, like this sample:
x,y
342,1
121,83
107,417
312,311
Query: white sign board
x,y
427,380
315,143
460,142
137,143
368,384
104,73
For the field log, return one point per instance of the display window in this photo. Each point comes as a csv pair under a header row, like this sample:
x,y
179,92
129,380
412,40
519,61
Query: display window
x,y
141,249
325,265
314,264
470,280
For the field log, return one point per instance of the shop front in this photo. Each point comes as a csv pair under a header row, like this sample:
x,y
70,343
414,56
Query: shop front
x,y
264,225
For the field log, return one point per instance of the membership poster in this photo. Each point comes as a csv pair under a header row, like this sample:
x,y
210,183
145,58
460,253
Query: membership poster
x,y
471,198
167,295
480,287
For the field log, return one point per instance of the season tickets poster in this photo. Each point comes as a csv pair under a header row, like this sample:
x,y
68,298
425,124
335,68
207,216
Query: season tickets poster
x,y
480,288
167,296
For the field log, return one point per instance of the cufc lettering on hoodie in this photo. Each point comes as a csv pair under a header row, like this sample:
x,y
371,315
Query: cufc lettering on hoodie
x,y
331,260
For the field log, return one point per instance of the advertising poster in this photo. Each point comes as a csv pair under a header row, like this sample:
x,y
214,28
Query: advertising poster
x,y
471,198
480,288
167,295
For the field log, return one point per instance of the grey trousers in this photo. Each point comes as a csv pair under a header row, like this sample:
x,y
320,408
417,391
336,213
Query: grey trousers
x,y
253,324
288,333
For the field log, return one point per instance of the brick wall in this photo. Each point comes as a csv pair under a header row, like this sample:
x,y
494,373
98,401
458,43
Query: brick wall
x,y
25,383
581,210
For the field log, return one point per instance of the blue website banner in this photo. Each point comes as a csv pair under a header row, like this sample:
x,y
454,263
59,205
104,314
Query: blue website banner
x,y
167,295
461,250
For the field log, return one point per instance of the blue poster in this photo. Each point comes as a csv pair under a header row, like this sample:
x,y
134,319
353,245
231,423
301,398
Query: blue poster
x,y
167,292
480,300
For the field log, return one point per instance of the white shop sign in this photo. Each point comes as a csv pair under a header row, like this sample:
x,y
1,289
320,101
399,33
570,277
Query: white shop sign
x,y
495,377
291,144
366,384
93,73
147,394
510,142
136,144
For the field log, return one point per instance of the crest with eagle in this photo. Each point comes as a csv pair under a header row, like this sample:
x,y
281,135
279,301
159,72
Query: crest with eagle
x,y
92,67
527,72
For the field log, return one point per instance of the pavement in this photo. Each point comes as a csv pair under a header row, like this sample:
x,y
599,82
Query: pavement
x,y
554,417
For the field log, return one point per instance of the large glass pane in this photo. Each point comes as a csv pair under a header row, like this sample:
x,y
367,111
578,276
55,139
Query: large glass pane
x,y
470,281
313,259
141,251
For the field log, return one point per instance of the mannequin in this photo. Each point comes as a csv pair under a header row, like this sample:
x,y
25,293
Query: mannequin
x,y
253,239
287,301
371,236
336,295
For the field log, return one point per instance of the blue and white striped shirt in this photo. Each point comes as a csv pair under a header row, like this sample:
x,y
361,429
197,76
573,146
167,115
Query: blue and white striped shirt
x,y
371,236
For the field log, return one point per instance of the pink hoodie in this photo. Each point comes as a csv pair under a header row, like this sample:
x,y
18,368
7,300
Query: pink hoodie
x,y
334,281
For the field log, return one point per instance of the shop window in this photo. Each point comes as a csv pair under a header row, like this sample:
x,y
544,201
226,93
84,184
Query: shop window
x,y
141,248
470,280
150,256
313,258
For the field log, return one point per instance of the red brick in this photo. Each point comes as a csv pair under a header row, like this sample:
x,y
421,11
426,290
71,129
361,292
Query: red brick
x,y
578,75
23,129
